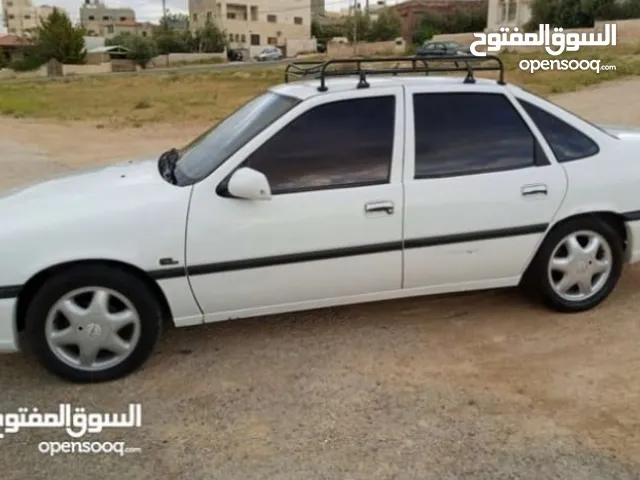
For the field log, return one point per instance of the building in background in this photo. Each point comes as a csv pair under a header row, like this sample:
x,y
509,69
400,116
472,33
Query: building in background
x,y
411,11
179,23
507,13
20,16
13,48
317,8
101,20
260,23
328,17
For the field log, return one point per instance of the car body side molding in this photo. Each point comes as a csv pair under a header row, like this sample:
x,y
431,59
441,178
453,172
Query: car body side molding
x,y
245,264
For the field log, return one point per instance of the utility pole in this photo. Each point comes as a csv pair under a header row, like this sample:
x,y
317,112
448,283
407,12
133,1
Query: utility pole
x,y
164,12
355,27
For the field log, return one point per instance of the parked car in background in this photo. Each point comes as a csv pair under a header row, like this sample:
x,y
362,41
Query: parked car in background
x,y
235,55
270,53
442,48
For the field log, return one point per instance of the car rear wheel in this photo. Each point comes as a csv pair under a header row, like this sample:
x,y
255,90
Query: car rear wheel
x,y
578,265
93,324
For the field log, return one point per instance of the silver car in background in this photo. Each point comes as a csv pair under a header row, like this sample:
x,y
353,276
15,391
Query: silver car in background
x,y
269,53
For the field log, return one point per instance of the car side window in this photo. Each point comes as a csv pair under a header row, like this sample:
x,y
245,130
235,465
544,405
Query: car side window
x,y
566,141
469,133
339,144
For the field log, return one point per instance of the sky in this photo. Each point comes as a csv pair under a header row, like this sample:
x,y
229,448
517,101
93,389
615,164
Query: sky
x,y
151,10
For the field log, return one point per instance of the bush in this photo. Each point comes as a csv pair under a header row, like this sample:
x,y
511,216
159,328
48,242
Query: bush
x,y
141,50
27,64
422,35
580,13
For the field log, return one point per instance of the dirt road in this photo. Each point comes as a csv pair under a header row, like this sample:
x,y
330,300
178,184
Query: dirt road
x,y
476,386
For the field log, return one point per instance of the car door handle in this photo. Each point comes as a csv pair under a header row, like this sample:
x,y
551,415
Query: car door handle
x,y
373,207
538,189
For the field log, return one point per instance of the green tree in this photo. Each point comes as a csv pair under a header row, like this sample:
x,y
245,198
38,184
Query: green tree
x,y
386,27
176,21
123,39
362,28
141,50
323,32
171,39
422,34
316,29
567,13
56,37
210,39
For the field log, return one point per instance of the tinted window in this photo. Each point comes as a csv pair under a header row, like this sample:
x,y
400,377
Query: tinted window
x,y
566,142
467,133
339,144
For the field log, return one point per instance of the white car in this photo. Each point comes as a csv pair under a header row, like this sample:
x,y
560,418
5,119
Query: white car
x,y
321,192
269,53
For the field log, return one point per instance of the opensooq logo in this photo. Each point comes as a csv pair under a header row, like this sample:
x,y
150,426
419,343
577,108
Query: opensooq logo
x,y
571,42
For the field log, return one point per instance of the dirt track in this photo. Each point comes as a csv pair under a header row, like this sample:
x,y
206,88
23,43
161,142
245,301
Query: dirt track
x,y
478,386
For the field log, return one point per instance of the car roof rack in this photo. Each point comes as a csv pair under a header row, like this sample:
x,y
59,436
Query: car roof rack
x,y
421,64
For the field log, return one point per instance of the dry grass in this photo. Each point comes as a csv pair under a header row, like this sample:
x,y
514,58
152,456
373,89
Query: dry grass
x,y
134,100
205,97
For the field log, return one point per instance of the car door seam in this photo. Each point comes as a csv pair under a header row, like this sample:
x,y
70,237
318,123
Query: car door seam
x,y
403,164
186,258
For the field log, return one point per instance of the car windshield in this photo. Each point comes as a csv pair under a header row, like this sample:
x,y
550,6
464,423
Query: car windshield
x,y
208,151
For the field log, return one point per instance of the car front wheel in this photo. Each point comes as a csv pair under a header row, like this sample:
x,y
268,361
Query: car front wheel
x,y
578,265
93,324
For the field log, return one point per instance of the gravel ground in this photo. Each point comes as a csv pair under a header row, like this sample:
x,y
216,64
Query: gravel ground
x,y
477,386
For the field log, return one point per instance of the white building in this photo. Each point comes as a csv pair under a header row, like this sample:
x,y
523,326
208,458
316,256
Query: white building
x,y
260,23
507,13
20,16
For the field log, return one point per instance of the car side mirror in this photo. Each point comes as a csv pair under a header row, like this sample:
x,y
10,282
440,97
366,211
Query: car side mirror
x,y
249,184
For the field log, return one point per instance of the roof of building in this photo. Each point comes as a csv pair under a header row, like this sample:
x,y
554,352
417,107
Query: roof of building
x,y
109,49
129,22
13,41
93,42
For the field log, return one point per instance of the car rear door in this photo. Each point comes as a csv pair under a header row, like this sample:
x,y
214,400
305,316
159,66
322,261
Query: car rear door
x,y
332,229
481,188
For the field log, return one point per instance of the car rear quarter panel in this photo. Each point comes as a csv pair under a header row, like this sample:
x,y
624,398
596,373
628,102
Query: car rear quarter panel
x,y
607,182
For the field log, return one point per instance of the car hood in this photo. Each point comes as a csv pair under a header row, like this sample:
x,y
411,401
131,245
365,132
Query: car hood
x,y
84,192
622,131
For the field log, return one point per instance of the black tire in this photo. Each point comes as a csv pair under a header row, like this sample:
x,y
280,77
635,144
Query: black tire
x,y
537,281
127,285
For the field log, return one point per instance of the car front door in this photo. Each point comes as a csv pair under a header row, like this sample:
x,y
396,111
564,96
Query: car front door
x,y
332,228
481,186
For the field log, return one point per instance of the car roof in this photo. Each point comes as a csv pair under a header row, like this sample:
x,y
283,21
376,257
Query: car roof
x,y
304,89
